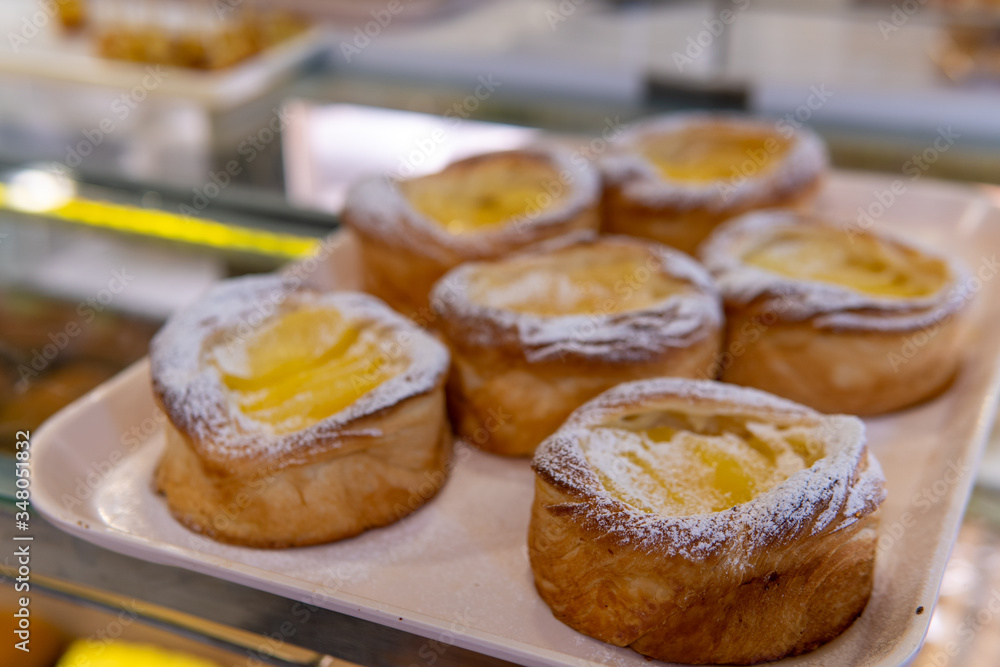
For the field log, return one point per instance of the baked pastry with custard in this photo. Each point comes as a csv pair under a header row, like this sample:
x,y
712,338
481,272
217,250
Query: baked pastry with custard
x,y
841,319
534,335
700,522
412,231
675,178
295,416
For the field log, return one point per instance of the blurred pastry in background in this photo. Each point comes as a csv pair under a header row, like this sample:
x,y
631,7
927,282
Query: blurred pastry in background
x,y
195,34
72,13
412,231
53,352
673,179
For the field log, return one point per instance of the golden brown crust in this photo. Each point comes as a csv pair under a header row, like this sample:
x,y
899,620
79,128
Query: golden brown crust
x,y
396,274
838,370
776,576
515,377
686,228
641,201
390,474
834,348
785,602
243,481
403,253
505,404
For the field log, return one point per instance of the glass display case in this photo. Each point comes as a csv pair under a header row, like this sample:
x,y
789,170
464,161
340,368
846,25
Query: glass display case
x,y
127,188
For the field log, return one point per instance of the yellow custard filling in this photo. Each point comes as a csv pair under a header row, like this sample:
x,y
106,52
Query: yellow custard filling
x,y
482,194
859,262
303,366
714,152
586,280
677,469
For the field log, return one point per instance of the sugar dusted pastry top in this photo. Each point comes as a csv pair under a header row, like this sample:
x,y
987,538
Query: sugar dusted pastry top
x,y
697,159
486,193
658,465
846,278
477,206
608,297
258,370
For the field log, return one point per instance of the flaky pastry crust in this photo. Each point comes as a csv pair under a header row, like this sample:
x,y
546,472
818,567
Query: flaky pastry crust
x,y
775,576
404,253
235,479
641,201
516,376
832,347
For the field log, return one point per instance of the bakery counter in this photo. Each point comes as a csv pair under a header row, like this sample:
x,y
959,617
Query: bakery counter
x,y
229,623
456,572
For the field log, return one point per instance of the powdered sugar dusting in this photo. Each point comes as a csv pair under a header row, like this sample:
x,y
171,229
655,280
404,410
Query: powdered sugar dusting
x,y
377,207
674,476
676,321
838,489
833,306
804,162
195,398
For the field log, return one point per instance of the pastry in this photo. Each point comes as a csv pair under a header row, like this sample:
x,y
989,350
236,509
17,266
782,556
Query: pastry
x,y
412,231
535,335
843,320
705,523
674,179
297,417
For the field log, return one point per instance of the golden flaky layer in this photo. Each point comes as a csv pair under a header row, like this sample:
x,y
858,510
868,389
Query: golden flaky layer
x,y
674,179
840,319
362,482
703,523
413,231
296,416
535,335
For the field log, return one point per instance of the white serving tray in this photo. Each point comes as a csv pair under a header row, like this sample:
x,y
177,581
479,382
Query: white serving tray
x,y
457,570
